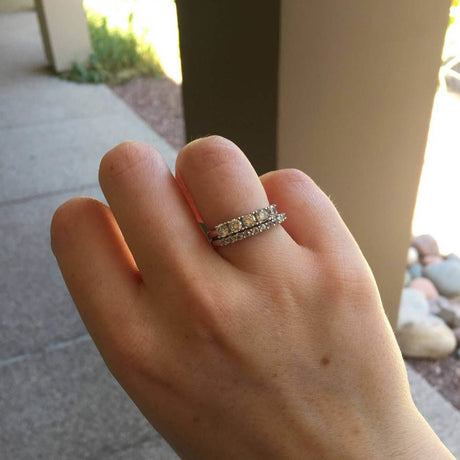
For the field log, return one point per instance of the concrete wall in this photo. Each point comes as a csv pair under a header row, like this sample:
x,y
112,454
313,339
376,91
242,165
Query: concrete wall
x,y
356,86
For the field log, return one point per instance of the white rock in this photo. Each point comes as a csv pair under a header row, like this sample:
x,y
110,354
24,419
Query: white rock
x,y
429,337
413,306
412,256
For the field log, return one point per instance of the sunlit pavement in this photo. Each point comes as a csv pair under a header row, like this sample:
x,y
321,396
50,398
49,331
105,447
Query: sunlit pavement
x,y
437,210
57,399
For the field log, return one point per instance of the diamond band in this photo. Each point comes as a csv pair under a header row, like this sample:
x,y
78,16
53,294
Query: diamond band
x,y
241,223
242,227
278,219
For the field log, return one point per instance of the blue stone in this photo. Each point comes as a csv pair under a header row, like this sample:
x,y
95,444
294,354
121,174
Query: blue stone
x,y
445,276
415,270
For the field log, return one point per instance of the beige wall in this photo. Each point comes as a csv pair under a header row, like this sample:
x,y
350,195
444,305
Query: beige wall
x,y
357,82
63,28
16,5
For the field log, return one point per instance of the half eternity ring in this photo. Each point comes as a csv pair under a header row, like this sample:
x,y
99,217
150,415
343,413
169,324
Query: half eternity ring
x,y
245,226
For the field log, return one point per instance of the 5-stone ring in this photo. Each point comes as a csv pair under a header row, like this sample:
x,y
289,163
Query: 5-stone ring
x,y
242,227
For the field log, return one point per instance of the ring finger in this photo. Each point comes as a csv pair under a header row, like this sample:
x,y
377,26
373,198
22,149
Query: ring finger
x,y
224,185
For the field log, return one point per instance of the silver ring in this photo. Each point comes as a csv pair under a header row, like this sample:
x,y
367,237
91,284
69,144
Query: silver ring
x,y
242,227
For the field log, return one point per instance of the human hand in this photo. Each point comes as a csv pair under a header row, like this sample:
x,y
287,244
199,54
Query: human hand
x,y
273,347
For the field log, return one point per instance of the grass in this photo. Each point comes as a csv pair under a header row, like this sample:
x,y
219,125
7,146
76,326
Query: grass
x,y
452,38
119,55
453,12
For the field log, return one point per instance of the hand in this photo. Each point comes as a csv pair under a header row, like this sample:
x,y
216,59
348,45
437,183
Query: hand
x,y
273,347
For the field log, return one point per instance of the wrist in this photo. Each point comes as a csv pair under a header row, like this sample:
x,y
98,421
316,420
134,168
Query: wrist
x,y
413,438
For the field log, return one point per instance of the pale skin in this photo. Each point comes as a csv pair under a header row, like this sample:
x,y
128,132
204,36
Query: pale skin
x,y
275,347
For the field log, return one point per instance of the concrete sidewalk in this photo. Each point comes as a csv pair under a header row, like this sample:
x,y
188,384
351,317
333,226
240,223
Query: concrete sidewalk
x,y
57,399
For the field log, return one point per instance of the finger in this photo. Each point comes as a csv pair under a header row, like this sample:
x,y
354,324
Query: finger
x,y
313,222
188,197
224,185
98,269
151,211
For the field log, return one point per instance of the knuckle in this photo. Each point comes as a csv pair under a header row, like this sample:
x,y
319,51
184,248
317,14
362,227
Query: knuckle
x,y
67,216
296,182
132,354
212,315
292,180
209,153
125,157
295,176
346,277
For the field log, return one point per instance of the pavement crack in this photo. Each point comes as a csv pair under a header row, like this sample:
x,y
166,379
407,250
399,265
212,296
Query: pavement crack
x,y
48,194
47,349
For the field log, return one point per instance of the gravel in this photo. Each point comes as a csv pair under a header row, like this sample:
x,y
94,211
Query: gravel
x,y
159,103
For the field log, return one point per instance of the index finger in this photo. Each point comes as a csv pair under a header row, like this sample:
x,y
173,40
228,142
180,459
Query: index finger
x,y
152,213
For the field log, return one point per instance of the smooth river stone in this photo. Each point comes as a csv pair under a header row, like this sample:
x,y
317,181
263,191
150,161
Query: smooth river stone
x,y
445,276
425,286
428,338
425,245
450,313
431,259
456,332
415,270
437,304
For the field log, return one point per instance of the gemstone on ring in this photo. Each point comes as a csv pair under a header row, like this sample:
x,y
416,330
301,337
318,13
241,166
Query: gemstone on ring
x,y
223,230
235,225
249,220
262,215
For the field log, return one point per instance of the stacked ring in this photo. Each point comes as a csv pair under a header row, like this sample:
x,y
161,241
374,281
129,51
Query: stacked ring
x,y
242,227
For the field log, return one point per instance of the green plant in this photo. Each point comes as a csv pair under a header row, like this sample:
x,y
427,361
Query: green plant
x,y
453,8
119,55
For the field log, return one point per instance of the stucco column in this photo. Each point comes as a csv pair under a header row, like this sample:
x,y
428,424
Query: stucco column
x,y
356,86
341,89
64,32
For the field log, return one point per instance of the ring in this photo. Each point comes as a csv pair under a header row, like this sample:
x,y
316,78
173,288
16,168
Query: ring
x,y
242,227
